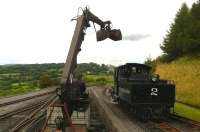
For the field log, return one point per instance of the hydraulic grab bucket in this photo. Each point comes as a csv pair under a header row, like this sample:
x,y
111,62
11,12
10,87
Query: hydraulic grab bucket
x,y
114,34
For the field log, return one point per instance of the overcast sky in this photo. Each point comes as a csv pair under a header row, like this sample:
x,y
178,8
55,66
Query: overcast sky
x,y
40,31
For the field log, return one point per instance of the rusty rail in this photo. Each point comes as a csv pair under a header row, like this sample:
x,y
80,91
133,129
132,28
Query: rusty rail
x,y
32,117
166,127
26,98
186,120
21,110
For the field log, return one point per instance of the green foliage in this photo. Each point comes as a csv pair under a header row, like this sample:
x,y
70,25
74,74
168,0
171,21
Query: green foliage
x,y
187,111
183,38
45,80
93,69
22,78
88,79
16,79
29,72
164,58
177,36
18,88
195,27
152,63
98,80
101,81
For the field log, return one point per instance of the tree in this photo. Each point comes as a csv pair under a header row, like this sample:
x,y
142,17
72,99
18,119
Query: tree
x,y
45,80
195,28
150,62
177,37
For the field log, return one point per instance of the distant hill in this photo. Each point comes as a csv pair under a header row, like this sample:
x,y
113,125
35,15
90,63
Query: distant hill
x,y
185,71
23,78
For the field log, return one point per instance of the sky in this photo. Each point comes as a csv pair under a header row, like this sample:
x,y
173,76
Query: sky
x,y
40,31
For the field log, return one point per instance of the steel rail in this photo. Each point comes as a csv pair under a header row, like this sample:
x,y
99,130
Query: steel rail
x,y
45,124
26,98
35,121
21,110
31,118
166,127
186,120
43,113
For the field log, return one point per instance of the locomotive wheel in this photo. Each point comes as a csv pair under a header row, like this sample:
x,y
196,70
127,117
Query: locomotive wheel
x,y
166,112
143,114
146,115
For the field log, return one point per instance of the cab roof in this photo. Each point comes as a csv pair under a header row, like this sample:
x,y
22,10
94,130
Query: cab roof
x,y
136,65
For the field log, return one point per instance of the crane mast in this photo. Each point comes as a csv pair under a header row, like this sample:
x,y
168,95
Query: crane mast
x,y
76,41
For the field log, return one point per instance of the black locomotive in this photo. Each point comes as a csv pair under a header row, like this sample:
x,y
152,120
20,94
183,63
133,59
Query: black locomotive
x,y
147,95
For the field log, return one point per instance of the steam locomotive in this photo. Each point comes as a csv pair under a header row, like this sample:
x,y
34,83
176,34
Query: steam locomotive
x,y
147,95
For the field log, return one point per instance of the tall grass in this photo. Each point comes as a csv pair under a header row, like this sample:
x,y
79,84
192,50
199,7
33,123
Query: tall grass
x,y
187,111
186,74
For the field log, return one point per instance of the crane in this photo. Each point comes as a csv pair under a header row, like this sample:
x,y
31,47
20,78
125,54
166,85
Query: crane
x,y
83,22
68,90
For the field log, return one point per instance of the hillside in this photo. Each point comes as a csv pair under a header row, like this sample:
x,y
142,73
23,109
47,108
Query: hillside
x,y
185,72
23,78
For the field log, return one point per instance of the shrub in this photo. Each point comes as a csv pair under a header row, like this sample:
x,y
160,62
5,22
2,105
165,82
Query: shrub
x,y
101,81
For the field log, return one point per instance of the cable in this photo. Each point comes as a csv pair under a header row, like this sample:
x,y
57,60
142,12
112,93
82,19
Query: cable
x,y
94,27
76,17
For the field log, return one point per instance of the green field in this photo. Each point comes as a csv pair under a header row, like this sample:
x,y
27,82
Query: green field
x,y
19,79
187,111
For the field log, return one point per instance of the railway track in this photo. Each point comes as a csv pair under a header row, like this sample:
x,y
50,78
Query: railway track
x,y
160,126
167,127
26,98
17,109
37,112
190,122
34,115
21,110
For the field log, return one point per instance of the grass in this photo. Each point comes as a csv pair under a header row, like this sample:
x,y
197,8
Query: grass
x,y
187,111
186,74
18,88
98,80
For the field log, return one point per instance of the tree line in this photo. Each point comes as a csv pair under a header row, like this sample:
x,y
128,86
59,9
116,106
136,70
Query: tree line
x,y
183,37
44,75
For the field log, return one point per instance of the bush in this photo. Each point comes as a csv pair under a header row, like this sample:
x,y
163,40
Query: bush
x,y
88,79
152,63
101,81
45,80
